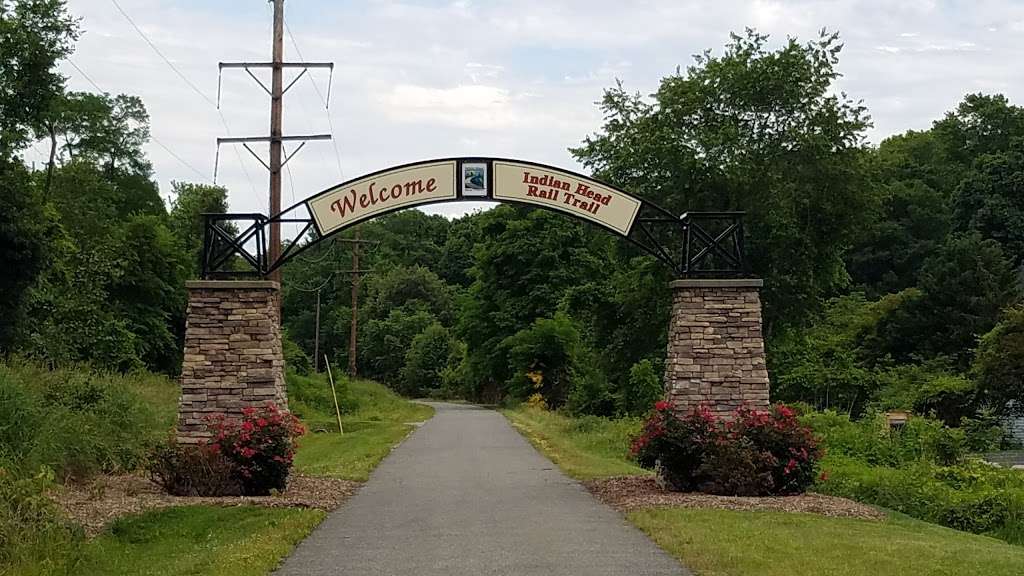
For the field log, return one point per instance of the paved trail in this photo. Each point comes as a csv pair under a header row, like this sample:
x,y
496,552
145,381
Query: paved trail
x,y
467,495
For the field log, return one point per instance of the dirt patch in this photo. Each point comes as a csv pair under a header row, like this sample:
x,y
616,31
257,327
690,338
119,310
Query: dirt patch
x,y
625,493
106,498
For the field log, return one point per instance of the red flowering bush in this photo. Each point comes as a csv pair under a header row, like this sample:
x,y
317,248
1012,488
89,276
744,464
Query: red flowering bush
x,y
754,453
260,447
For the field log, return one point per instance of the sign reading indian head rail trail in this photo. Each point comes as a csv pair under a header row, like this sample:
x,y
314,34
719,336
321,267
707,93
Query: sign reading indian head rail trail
x,y
383,192
558,190
436,181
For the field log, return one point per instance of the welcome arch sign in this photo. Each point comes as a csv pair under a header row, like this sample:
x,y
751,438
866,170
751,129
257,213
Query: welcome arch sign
x,y
693,244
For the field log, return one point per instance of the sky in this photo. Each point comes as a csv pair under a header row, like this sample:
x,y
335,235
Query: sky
x,y
415,80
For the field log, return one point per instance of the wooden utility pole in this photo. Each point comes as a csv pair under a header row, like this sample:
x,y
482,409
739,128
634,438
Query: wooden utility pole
x,y
276,93
354,328
278,159
316,338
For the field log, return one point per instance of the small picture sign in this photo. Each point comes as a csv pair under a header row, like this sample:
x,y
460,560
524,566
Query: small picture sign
x,y
474,179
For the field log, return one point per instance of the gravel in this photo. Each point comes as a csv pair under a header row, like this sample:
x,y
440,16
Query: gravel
x,y
95,504
625,493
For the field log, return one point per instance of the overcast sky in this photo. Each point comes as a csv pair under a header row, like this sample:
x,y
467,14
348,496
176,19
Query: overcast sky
x,y
418,79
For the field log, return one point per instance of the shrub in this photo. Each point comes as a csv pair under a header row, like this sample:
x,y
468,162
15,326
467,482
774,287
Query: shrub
x,y
294,357
642,389
30,526
260,446
999,365
426,360
754,453
871,439
550,347
189,470
971,496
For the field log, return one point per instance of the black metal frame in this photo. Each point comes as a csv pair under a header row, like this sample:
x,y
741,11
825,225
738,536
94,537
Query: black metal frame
x,y
696,244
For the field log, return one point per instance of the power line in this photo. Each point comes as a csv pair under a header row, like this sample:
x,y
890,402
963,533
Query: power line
x,y
194,88
151,136
161,54
327,112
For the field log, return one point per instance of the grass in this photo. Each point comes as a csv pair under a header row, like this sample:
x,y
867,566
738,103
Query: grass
x,y
80,422
730,543
584,447
375,420
193,540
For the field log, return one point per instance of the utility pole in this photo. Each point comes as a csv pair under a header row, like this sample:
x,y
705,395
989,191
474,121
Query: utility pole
x,y
276,94
278,158
357,274
354,328
316,338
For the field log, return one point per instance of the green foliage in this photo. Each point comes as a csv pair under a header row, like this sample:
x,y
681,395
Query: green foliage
x,y
870,440
999,366
753,129
973,497
549,349
190,202
963,288
641,390
30,525
386,341
78,422
310,397
294,357
34,36
426,361
27,232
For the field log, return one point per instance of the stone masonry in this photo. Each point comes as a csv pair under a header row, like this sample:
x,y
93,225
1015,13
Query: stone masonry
x,y
233,357
715,354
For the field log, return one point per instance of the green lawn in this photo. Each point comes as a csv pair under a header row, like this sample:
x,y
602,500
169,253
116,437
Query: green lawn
x,y
586,447
729,543
203,540
196,540
377,421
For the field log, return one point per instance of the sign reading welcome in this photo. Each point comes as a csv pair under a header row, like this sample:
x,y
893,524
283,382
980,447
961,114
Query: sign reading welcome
x,y
383,192
473,179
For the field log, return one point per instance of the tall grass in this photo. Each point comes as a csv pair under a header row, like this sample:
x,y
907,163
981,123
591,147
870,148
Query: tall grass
x,y
57,425
584,446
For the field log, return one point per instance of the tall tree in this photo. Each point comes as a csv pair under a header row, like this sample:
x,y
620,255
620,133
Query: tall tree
x,y
34,35
759,130
188,205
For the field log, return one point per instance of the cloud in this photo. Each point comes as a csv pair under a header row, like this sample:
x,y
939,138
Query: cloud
x,y
519,78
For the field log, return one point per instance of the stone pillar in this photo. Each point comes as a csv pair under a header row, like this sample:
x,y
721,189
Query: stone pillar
x,y
715,354
233,356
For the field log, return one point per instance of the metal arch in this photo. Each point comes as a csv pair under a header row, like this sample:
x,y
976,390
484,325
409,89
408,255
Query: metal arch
x,y
695,244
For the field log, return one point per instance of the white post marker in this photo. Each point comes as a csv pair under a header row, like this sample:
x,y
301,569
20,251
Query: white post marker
x,y
334,393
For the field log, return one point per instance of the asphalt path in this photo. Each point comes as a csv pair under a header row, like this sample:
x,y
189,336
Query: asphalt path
x,y
467,495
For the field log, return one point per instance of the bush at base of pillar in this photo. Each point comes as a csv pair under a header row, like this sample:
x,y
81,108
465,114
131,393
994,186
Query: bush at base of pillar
x,y
251,456
755,453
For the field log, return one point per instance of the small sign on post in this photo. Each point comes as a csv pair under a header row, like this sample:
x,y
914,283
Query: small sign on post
x,y
334,394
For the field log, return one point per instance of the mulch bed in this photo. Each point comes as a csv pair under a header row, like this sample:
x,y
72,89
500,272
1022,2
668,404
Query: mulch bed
x,y
626,493
106,498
